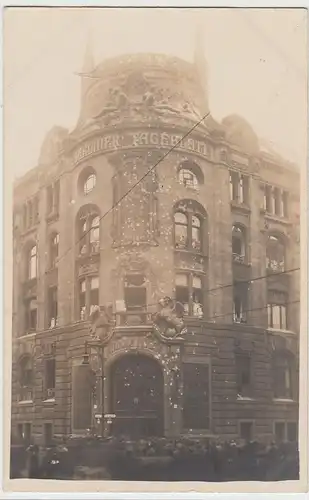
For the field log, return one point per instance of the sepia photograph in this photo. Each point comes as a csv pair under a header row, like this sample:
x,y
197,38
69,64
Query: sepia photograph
x,y
156,161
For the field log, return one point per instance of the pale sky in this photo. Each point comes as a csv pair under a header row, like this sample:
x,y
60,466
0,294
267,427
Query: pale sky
x,y
256,64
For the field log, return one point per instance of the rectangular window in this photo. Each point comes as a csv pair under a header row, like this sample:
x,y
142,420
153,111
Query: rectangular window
x,y
27,432
94,293
280,432
277,201
135,293
20,433
31,315
53,196
48,434
243,374
196,379
197,297
240,300
277,316
182,291
234,186
282,378
50,376
292,432
268,199
82,299
52,306
246,430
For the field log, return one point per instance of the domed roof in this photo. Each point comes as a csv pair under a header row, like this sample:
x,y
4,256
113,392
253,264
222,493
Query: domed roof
x,y
142,85
239,132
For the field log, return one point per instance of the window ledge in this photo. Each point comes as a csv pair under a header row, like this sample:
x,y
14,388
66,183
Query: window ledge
x,y
283,400
26,402
244,398
50,400
241,206
276,330
27,336
277,218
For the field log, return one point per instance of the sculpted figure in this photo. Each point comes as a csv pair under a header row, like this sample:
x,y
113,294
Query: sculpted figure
x,y
169,317
101,321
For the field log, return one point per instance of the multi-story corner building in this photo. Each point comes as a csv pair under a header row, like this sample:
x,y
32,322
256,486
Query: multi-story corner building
x,y
150,198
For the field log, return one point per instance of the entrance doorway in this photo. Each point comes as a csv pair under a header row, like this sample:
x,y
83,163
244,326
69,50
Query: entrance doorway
x,y
137,396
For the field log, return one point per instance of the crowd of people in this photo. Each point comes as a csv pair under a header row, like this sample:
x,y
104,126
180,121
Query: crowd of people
x,y
166,460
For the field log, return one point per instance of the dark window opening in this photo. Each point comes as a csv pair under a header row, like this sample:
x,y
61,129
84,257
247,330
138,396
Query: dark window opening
x,y
277,201
48,434
50,377
135,293
89,233
196,379
285,204
189,292
54,250
240,299
277,315
94,294
243,375
246,431
53,306
282,367
27,432
292,432
31,315
280,432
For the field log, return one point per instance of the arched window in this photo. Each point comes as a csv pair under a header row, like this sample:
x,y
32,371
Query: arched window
x,y
275,254
94,235
25,378
90,183
189,219
88,231
32,263
196,233
181,230
283,373
190,174
238,243
187,178
54,249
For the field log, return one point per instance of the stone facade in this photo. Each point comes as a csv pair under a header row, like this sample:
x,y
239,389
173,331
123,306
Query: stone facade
x,y
124,173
